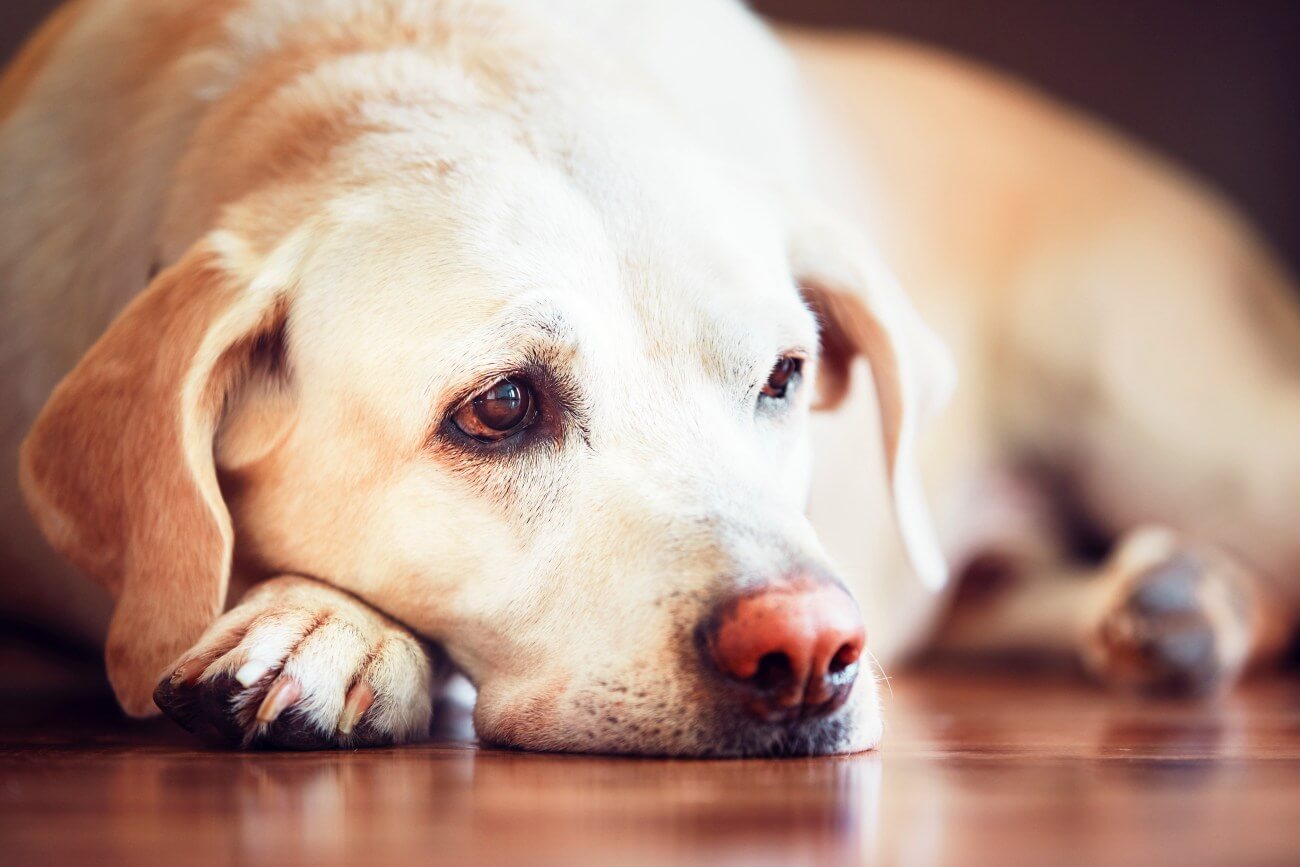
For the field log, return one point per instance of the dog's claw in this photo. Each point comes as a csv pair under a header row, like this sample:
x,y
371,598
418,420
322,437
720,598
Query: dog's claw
x,y
252,671
359,699
284,692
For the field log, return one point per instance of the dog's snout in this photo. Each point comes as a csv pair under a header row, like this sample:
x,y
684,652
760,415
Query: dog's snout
x,y
789,651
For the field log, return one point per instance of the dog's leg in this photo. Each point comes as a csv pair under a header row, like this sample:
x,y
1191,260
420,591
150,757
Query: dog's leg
x,y
1018,589
1155,369
301,665
1160,615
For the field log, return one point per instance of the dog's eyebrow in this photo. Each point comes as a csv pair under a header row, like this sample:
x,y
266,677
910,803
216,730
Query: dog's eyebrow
x,y
521,337
528,324
745,357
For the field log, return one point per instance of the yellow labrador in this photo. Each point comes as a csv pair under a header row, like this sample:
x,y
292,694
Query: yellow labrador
x,y
335,332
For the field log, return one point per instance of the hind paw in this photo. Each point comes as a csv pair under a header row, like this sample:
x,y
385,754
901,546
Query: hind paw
x,y
1176,618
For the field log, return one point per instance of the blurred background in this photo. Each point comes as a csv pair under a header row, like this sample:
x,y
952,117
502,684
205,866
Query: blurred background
x,y
1213,83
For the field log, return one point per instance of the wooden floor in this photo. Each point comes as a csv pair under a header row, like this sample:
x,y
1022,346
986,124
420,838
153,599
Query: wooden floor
x,y
975,770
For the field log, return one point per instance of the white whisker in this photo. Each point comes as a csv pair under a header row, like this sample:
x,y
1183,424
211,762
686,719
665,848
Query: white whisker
x,y
875,661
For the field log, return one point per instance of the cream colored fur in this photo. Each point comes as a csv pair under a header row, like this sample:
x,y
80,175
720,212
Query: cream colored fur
x,y
400,200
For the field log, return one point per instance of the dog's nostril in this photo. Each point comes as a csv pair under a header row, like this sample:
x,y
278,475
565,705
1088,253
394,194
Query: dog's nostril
x,y
846,656
775,672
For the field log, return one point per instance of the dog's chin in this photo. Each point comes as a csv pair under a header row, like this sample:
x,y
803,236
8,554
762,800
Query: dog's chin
x,y
836,735
852,730
750,740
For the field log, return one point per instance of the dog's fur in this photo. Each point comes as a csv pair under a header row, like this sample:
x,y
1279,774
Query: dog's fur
x,y
256,252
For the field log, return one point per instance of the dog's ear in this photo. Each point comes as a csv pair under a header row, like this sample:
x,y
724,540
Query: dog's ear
x,y
118,469
862,311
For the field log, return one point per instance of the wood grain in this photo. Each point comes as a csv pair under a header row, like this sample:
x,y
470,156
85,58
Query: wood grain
x,y
975,770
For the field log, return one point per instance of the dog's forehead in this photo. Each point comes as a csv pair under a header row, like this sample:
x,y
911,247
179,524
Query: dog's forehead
x,y
671,246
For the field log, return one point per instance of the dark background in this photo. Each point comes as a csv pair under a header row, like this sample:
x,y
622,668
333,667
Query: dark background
x,y
1214,83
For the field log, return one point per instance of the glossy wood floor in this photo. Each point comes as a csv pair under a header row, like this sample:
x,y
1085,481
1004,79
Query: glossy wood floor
x,y
976,769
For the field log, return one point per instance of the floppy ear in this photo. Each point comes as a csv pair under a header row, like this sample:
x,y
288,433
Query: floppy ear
x,y
118,469
863,311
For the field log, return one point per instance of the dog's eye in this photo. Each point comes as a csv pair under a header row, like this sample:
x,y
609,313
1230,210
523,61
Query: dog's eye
x,y
782,377
503,410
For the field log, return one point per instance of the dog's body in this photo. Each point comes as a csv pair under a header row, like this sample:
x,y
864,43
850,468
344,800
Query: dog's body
x,y
1124,346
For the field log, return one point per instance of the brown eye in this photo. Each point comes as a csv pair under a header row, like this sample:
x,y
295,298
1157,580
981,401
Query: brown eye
x,y
778,381
503,410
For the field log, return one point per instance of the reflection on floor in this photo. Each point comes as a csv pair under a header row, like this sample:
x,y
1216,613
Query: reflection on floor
x,y
976,769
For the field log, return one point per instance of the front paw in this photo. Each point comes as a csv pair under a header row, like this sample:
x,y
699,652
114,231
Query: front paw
x,y
300,665
1177,619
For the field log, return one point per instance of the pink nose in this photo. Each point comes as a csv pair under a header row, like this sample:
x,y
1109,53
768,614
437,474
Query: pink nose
x,y
791,650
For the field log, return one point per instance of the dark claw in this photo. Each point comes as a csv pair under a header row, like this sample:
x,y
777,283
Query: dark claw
x,y
179,702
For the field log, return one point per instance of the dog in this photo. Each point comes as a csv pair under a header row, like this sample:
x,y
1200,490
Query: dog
x,y
351,344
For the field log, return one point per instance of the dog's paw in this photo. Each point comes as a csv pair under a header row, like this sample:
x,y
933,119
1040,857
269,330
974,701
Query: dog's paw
x,y
1175,619
300,665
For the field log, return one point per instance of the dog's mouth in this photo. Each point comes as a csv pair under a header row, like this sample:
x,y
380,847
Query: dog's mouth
x,y
613,728
822,737
811,737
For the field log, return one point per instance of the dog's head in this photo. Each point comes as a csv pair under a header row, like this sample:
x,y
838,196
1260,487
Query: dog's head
x,y
547,406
